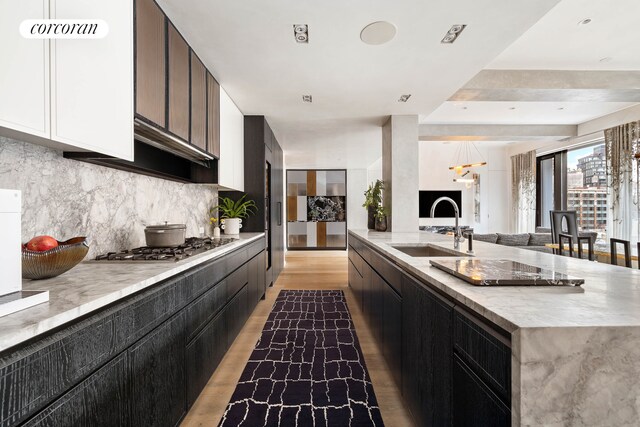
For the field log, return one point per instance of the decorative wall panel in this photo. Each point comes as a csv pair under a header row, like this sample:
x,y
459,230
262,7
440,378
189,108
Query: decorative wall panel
x,y
317,209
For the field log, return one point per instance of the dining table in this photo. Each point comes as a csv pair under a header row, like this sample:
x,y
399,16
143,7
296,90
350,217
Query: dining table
x,y
601,251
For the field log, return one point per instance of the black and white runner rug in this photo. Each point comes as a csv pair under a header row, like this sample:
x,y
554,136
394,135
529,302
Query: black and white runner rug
x,y
307,368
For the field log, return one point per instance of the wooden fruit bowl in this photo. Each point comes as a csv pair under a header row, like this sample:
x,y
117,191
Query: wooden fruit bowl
x,y
54,262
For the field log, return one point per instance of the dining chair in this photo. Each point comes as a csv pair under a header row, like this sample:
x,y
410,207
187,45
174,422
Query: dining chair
x,y
569,242
571,230
626,246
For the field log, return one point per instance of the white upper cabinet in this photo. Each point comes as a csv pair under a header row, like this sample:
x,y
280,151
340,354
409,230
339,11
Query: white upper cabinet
x,y
69,93
24,74
92,80
231,165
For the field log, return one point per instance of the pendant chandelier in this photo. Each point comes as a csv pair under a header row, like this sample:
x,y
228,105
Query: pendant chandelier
x,y
467,157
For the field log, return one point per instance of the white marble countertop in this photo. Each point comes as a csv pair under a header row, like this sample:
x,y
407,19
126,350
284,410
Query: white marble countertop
x,y
610,295
93,285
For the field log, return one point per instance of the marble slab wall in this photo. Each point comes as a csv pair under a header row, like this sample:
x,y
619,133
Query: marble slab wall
x,y
67,198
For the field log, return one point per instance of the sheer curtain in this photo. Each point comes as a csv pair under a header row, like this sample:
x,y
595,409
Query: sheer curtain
x,y
622,146
523,191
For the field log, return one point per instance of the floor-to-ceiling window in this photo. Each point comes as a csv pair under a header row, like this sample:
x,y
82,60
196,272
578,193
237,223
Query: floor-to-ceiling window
x,y
575,179
587,188
545,189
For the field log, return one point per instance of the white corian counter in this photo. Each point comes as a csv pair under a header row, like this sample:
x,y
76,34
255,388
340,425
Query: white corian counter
x,y
92,285
575,351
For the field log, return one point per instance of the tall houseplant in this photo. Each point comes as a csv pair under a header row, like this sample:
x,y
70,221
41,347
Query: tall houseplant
x,y
233,212
372,201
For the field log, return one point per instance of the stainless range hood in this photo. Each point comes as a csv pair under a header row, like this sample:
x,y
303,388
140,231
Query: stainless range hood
x,y
160,154
162,140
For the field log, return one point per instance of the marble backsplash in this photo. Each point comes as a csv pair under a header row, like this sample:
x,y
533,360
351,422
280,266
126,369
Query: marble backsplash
x,y
66,198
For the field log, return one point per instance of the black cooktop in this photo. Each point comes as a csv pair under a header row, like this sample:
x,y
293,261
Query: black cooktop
x,y
192,246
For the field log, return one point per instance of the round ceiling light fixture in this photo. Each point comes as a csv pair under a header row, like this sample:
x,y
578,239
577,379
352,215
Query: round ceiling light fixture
x,y
585,21
377,33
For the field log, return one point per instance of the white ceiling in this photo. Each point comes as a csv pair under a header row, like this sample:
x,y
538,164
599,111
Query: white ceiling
x,y
250,48
557,42
526,113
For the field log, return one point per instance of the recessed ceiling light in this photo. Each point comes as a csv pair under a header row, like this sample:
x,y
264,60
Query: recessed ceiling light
x,y
464,108
560,108
301,33
585,21
404,98
512,108
606,59
453,33
377,33
307,98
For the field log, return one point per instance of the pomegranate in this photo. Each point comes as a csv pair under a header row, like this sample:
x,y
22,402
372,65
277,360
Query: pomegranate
x,y
41,243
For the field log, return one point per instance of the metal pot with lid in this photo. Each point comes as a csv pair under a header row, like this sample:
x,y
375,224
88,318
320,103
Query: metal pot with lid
x,y
165,235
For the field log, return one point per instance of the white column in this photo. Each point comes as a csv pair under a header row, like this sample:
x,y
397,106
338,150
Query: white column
x,y
400,171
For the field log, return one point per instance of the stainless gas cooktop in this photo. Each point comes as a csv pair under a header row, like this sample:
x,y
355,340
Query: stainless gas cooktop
x,y
192,246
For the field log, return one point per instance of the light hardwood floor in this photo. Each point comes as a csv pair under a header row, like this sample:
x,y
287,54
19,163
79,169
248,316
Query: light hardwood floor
x,y
303,270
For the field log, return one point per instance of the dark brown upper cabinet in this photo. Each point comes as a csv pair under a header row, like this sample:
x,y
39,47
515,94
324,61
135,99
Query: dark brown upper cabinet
x,y
174,90
198,103
178,62
150,62
213,116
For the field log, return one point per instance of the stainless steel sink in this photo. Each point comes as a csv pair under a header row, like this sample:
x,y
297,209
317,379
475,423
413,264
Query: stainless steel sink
x,y
427,251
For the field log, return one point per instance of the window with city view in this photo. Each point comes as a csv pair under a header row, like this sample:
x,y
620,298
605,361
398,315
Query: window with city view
x,y
587,188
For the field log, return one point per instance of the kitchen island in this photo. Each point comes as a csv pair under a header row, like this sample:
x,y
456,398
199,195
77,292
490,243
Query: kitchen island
x,y
539,355
127,343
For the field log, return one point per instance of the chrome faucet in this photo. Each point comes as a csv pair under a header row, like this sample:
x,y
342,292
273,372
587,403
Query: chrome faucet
x,y
457,235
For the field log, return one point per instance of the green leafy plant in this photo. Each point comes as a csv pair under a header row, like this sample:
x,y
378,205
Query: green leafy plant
x,y
228,208
381,213
373,195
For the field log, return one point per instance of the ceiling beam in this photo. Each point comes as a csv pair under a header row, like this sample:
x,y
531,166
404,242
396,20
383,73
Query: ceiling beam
x,y
430,132
551,86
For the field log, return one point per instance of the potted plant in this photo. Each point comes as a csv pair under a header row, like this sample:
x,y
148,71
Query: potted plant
x,y
373,200
233,212
381,215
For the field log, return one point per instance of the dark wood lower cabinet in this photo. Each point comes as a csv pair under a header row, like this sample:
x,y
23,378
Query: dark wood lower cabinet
x,y
141,361
158,381
376,306
85,404
427,352
452,366
204,354
474,404
392,331
237,313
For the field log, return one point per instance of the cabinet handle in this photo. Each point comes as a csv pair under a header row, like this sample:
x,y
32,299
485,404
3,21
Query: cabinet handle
x,y
279,213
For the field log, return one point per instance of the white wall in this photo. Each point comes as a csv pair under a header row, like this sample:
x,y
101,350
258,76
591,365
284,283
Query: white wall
x,y
435,159
356,186
374,171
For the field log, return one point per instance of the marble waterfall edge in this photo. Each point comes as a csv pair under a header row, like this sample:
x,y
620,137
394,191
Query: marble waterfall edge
x,y
66,198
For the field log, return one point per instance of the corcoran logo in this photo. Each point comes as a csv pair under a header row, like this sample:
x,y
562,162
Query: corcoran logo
x,y
64,28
